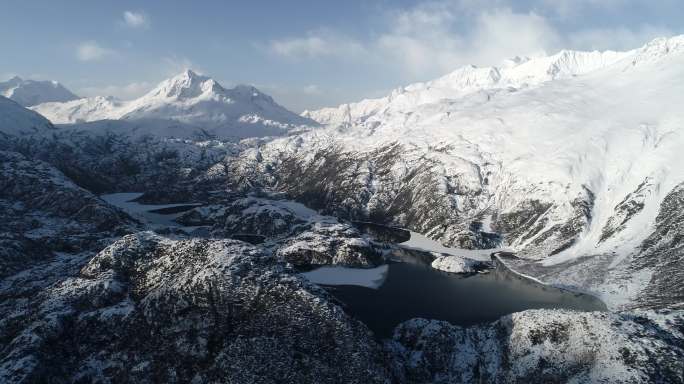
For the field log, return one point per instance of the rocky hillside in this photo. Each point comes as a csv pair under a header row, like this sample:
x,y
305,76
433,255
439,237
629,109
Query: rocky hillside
x,y
45,213
572,170
571,162
151,308
542,347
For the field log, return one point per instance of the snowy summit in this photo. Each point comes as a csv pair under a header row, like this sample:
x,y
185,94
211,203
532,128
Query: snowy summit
x,y
31,92
194,100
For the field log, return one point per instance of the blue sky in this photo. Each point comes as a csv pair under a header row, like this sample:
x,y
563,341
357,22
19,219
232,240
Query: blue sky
x,y
307,54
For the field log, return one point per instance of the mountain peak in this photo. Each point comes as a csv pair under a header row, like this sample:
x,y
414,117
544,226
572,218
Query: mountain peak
x,y
658,49
33,92
190,74
186,85
17,120
184,103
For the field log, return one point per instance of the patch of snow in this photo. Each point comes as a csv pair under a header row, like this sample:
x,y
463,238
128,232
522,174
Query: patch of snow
x,y
331,275
423,243
125,201
288,206
487,223
299,209
456,264
117,311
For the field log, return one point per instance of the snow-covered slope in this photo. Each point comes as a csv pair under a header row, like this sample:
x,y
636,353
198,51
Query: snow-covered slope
x,y
609,130
80,110
32,92
480,82
196,101
575,166
16,120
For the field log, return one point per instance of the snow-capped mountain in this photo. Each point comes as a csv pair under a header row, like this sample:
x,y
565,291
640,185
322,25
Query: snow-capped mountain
x,y
16,120
80,110
565,157
189,99
480,83
557,158
33,92
573,162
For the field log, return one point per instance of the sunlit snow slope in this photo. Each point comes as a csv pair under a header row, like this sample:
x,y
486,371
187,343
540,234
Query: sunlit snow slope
x,y
17,120
33,92
189,100
566,156
547,128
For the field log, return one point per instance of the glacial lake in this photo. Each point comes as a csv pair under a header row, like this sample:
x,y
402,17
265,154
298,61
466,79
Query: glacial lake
x,y
407,289
407,286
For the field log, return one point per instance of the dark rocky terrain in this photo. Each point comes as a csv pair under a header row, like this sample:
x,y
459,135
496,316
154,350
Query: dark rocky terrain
x,y
153,309
86,307
542,347
43,212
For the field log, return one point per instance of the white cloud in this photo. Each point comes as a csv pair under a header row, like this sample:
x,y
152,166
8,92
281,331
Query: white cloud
x,y
502,33
621,38
433,39
92,51
419,40
569,9
315,45
135,19
124,92
436,37
312,89
299,98
174,65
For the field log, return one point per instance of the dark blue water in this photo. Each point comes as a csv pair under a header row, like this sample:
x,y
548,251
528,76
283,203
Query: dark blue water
x,y
414,289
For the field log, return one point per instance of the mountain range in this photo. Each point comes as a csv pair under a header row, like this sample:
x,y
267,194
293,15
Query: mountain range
x,y
32,92
566,168
570,158
561,157
194,101
476,82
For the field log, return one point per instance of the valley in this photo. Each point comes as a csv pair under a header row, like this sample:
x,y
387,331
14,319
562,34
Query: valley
x,y
520,223
407,286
